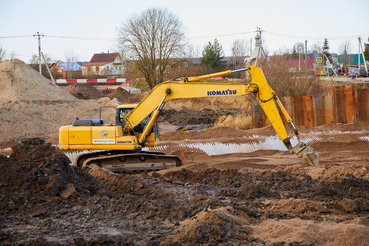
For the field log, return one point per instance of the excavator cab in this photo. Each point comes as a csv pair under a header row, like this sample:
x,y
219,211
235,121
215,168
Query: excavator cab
x,y
123,110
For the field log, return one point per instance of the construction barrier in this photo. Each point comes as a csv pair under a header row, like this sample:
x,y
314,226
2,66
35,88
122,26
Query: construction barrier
x,y
98,81
346,105
130,89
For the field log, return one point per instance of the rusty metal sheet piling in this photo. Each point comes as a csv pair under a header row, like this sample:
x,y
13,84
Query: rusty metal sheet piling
x,y
346,105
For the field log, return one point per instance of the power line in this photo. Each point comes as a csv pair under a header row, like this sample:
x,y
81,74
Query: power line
x,y
81,38
315,38
65,37
220,35
194,37
22,36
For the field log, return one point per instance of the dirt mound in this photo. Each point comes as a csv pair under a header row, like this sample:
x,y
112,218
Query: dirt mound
x,y
32,106
124,96
352,232
84,91
205,116
224,224
38,173
21,83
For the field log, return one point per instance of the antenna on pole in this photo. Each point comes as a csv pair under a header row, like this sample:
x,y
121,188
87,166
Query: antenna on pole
x,y
258,43
39,36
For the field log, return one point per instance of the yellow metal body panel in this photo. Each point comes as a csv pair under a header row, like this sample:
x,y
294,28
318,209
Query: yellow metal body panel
x,y
150,140
95,138
79,135
131,105
265,97
103,134
63,137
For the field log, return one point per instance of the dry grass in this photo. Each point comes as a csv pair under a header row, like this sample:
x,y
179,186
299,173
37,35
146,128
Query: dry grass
x,y
240,121
286,83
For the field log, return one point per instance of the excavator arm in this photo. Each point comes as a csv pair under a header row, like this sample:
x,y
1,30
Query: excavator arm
x,y
153,103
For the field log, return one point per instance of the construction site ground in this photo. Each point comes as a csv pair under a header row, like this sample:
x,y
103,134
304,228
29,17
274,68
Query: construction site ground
x,y
236,186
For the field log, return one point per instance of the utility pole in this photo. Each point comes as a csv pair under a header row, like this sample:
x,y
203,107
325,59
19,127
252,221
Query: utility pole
x,y
361,52
306,58
39,36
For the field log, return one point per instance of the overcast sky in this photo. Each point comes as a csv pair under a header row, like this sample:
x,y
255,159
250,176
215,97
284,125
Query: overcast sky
x,y
89,26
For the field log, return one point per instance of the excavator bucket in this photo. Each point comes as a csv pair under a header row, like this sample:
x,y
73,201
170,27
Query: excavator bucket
x,y
306,152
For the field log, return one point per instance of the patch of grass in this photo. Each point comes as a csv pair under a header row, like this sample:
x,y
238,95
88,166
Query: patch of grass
x,y
239,121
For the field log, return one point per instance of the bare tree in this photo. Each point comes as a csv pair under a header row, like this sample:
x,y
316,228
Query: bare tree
x,y
33,62
150,39
239,51
12,55
240,47
5,55
345,51
70,57
2,54
191,50
277,72
317,48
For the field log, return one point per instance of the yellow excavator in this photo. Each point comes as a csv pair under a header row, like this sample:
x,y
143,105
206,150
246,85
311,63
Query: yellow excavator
x,y
119,147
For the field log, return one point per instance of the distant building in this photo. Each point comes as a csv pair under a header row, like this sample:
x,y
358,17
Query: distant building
x,y
66,70
351,61
183,62
179,67
104,64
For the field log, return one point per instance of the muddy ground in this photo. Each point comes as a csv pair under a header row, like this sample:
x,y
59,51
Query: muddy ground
x,y
236,187
265,197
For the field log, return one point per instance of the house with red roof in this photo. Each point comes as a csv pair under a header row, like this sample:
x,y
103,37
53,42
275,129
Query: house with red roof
x,y
104,64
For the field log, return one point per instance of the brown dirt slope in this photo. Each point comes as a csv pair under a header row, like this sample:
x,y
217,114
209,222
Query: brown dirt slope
x,y
84,91
32,106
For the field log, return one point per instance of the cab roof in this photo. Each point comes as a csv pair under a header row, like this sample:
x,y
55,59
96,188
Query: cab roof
x,y
131,105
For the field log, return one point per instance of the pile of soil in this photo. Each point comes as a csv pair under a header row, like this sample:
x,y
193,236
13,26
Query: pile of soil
x,y
32,106
37,173
84,91
205,116
124,96
43,200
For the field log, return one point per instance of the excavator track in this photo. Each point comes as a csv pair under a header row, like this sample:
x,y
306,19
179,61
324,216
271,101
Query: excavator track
x,y
130,162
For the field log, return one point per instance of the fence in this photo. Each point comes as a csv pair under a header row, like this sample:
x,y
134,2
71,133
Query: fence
x,y
346,105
